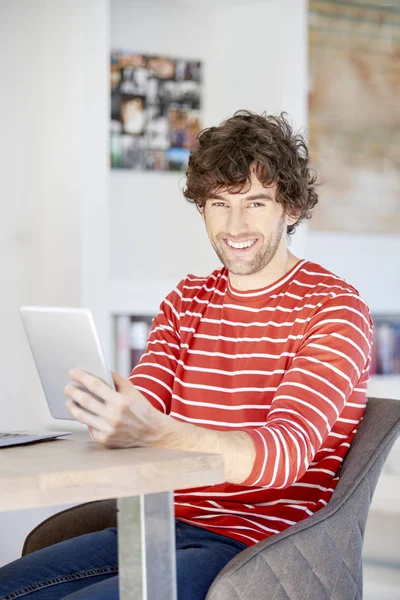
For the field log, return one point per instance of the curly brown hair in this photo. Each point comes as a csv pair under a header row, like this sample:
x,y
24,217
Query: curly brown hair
x,y
225,155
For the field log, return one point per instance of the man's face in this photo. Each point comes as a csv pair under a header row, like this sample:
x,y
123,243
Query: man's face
x,y
246,229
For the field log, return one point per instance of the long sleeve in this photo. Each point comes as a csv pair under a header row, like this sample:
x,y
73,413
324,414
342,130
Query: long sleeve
x,y
333,358
154,375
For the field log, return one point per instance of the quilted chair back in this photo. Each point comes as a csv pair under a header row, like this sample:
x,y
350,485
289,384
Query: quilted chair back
x,y
320,558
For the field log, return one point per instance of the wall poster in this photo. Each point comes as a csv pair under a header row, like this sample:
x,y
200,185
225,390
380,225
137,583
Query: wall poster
x,y
155,111
354,114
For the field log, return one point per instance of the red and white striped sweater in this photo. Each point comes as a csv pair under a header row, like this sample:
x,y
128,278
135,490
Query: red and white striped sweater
x,y
288,364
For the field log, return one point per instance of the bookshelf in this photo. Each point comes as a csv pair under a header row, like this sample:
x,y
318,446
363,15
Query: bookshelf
x,y
131,325
386,350
385,368
130,337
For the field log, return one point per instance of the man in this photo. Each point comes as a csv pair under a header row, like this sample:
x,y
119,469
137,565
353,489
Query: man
x,y
264,361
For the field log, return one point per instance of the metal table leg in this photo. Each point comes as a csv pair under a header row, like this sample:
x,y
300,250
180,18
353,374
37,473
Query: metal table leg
x,y
146,547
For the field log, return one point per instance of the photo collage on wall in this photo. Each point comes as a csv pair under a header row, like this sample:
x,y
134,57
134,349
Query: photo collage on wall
x,y
155,111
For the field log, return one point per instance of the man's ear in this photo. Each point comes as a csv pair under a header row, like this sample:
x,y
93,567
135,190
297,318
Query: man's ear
x,y
292,217
201,211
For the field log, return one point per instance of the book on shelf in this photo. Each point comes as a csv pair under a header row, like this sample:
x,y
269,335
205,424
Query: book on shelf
x,y
386,347
131,333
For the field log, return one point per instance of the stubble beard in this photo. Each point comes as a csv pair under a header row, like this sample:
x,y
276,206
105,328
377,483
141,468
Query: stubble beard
x,y
263,257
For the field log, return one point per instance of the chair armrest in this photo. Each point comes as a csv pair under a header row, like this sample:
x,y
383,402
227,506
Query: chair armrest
x,y
72,522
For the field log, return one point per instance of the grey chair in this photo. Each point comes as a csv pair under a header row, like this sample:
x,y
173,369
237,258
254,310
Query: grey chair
x,y
317,559
320,558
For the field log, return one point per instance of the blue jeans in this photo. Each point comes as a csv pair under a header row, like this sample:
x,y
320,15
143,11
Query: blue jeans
x,y
86,567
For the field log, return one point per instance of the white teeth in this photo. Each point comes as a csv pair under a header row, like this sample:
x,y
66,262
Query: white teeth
x,y
241,244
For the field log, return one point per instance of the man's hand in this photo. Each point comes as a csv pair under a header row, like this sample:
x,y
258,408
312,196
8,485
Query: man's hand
x,y
127,419
124,419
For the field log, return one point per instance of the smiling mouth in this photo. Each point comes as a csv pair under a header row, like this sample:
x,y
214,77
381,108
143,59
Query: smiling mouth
x,y
241,246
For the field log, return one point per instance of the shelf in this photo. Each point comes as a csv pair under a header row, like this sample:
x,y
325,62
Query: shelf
x,y
384,386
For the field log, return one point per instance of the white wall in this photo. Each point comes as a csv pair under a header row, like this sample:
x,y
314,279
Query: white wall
x,y
37,189
54,174
156,237
370,262
54,166
258,61
151,223
53,161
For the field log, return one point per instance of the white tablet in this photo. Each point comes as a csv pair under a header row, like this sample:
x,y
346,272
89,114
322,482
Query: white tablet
x,y
62,339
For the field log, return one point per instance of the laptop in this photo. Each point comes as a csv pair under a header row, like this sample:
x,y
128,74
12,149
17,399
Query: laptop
x,y
14,438
60,339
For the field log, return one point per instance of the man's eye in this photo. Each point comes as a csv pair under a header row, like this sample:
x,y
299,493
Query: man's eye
x,y
256,204
218,204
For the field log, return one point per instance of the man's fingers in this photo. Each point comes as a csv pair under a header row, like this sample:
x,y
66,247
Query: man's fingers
x,y
89,419
86,400
93,384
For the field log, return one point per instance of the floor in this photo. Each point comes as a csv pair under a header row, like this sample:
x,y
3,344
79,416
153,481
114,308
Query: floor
x,y
381,582
381,554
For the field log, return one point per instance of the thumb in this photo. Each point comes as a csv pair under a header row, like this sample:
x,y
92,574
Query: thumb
x,y
122,385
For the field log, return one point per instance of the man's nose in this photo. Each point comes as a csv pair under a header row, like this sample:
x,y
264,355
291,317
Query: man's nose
x,y
237,221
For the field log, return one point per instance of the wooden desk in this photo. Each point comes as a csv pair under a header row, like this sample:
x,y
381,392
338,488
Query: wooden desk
x,y
75,469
